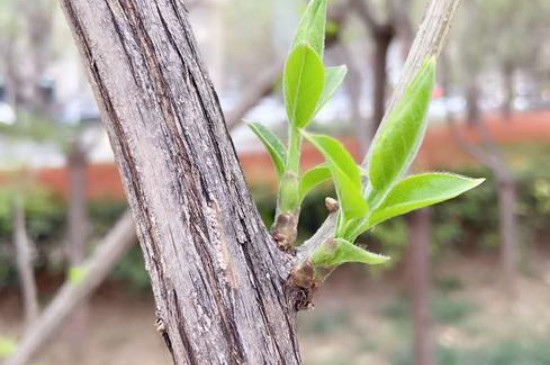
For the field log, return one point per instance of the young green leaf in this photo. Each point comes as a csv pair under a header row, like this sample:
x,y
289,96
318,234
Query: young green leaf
x,y
273,145
7,347
397,142
304,80
334,76
311,30
346,175
312,178
340,251
420,191
77,274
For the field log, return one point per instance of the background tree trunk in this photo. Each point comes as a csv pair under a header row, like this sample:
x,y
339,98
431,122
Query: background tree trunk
x,y
78,237
472,103
382,37
420,230
509,90
218,278
489,155
508,227
25,267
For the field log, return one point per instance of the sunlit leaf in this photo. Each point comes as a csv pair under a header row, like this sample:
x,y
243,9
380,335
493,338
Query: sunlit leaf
x,y
7,347
304,79
311,30
397,142
334,76
77,274
273,145
340,251
346,175
312,178
420,191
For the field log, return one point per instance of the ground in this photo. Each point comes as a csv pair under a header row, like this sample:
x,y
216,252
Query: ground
x,y
360,318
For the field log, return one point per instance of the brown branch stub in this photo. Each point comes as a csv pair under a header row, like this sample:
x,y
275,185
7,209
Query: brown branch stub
x,y
285,231
304,278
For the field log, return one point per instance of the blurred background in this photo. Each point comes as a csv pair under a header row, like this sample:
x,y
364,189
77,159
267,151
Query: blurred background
x,y
469,281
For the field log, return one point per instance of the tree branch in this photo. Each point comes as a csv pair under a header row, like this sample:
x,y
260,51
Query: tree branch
x,y
263,87
428,42
25,261
366,13
110,250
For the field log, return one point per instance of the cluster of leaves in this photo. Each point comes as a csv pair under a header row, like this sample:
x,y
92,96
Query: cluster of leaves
x,y
366,196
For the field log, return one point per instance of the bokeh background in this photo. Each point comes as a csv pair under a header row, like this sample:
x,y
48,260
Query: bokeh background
x,y
469,282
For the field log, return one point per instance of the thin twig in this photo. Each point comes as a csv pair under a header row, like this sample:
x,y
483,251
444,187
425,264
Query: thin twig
x,y
428,42
71,294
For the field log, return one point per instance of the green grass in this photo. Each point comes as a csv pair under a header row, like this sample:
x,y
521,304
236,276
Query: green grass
x,y
512,352
444,309
327,323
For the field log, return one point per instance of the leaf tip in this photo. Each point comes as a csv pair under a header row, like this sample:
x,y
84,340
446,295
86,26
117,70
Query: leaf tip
x,y
477,182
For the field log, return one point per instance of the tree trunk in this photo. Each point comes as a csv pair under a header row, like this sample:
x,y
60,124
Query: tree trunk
x,y
420,229
78,237
382,38
25,265
353,85
509,91
472,100
490,156
217,276
507,201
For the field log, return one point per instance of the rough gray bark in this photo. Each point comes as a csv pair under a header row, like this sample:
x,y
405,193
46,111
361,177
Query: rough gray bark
x,y
218,278
25,266
420,230
110,250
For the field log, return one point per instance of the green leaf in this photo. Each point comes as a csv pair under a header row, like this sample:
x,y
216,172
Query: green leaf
x,y
420,191
304,79
340,251
311,29
346,175
334,76
397,142
77,274
274,146
7,347
312,178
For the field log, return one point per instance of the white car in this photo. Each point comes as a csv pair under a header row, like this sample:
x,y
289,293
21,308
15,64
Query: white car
x,y
7,115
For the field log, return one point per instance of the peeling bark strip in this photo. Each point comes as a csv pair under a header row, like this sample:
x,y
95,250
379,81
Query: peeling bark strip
x,y
217,276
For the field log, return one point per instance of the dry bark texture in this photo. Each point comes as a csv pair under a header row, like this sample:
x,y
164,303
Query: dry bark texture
x,y
217,276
